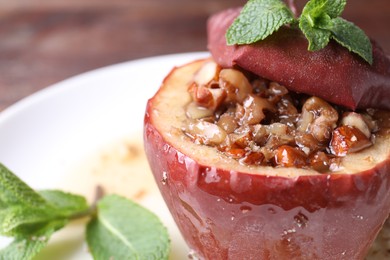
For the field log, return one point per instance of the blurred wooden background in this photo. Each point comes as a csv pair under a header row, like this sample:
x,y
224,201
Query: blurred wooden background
x,y
45,41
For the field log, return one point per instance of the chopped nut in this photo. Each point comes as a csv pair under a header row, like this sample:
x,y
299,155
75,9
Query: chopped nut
x,y
320,162
252,158
194,111
356,120
276,92
286,107
236,153
288,156
275,141
241,137
277,89
205,132
235,84
277,129
210,98
207,73
254,107
348,139
227,122
318,118
260,134
371,123
260,87
308,141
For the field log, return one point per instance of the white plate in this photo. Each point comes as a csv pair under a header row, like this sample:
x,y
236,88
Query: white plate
x,y
63,136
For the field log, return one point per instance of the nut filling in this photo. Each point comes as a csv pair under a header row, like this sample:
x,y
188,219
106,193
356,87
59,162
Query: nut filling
x,y
259,122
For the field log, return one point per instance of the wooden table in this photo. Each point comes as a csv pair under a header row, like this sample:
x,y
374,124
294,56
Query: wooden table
x,y
46,41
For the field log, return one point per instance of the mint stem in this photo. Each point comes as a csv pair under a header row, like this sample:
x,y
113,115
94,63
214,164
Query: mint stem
x,y
92,211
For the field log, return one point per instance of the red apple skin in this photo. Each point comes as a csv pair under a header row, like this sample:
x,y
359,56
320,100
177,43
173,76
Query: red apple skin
x,y
234,215
225,214
283,57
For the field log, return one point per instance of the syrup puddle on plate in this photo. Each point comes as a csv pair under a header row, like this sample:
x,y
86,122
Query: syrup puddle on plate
x,y
118,168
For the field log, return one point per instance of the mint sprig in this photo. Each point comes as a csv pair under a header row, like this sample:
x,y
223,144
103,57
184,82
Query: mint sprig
x,y
117,229
320,22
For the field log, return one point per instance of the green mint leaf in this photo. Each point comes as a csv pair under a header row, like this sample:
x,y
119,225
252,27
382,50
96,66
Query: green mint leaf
x,y
319,22
25,248
318,38
315,20
66,204
125,230
14,191
23,221
316,8
352,37
257,20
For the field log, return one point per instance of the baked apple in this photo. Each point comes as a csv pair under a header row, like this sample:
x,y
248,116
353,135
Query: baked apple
x,y
235,203
253,168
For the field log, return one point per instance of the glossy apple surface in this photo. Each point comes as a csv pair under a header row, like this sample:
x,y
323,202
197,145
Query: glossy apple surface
x,y
226,210
332,73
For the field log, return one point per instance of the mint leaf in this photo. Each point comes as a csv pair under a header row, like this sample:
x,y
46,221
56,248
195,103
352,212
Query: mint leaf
x,y
14,191
319,22
66,204
25,248
316,8
22,220
315,21
57,205
125,230
318,38
257,20
352,37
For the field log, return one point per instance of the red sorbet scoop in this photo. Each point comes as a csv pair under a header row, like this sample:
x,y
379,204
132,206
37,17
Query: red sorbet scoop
x,y
333,73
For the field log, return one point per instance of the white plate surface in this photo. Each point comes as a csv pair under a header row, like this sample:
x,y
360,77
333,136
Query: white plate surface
x,y
57,138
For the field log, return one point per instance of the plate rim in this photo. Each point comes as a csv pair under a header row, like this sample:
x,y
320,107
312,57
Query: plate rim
x,y
62,85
